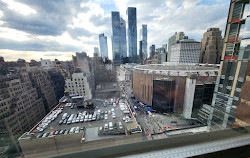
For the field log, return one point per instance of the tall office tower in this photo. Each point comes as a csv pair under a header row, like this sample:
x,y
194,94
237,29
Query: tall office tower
x,y
103,45
185,51
173,40
230,105
211,46
123,38
144,43
96,52
132,34
116,38
152,50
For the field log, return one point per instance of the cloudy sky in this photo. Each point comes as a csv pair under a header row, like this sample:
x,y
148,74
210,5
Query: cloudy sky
x,y
34,29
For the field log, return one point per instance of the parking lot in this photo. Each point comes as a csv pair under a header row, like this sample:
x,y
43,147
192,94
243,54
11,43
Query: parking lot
x,y
54,125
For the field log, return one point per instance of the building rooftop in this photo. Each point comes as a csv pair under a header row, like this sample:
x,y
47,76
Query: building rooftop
x,y
177,67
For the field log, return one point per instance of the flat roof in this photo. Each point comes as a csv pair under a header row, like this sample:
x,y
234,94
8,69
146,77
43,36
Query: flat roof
x,y
176,67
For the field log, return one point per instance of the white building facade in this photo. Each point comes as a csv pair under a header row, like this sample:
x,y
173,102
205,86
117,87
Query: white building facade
x,y
185,51
46,64
78,85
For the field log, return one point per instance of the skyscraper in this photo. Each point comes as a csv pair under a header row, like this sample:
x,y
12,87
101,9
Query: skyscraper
x,y
116,38
123,38
96,51
132,34
103,45
230,105
211,45
152,50
144,43
172,40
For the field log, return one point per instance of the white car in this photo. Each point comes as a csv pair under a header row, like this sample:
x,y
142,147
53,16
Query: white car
x,y
120,125
106,116
109,112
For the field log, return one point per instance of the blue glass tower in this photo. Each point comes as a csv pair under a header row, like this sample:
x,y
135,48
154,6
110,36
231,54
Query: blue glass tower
x,y
116,38
132,34
123,39
103,45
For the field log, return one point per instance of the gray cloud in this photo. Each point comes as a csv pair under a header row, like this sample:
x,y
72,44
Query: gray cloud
x,y
52,16
35,46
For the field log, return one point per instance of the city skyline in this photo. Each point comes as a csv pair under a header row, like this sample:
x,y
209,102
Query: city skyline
x,y
79,31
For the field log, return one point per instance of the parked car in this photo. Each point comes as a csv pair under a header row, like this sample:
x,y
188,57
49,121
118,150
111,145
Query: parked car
x,y
120,125
106,116
61,131
40,135
60,122
57,132
65,121
90,117
72,130
106,127
66,132
102,116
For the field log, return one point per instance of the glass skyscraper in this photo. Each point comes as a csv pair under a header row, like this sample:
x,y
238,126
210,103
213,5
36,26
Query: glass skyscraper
x,y
230,105
103,45
132,34
144,43
116,38
123,38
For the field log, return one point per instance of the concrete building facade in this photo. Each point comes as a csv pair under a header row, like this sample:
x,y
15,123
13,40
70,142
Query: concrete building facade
x,y
211,46
78,85
20,105
46,64
185,51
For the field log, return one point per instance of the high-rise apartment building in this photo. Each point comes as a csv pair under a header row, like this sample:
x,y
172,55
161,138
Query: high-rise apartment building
x,y
116,38
152,50
44,86
132,34
211,46
103,45
20,105
185,51
230,105
173,40
123,38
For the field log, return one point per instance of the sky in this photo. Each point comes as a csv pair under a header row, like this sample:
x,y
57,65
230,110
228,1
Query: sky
x,y
49,29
